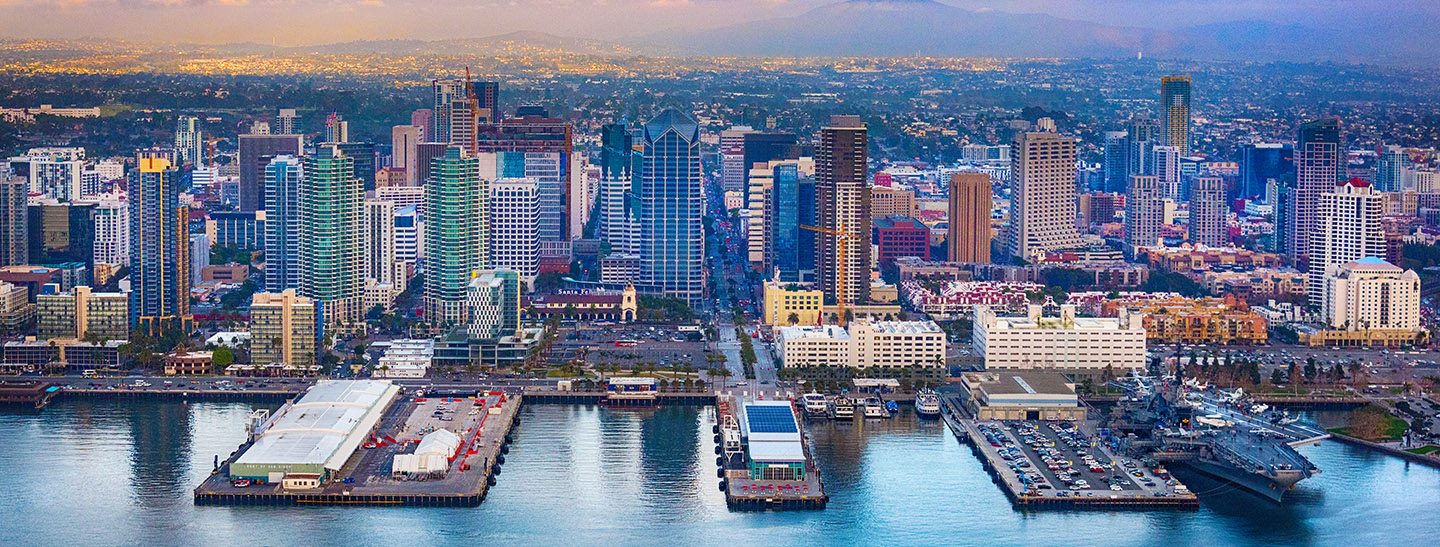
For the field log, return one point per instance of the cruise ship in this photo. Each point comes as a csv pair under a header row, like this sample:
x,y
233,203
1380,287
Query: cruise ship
x,y
927,404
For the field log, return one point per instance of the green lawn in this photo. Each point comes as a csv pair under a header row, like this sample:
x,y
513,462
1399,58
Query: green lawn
x,y
1394,430
1423,450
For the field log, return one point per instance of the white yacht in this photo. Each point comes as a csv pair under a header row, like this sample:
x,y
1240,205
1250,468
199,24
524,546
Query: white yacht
x,y
927,404
815,405
844,408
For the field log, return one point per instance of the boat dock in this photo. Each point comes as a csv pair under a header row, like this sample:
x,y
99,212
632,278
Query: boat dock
x,y
764,459
1021,471
483,425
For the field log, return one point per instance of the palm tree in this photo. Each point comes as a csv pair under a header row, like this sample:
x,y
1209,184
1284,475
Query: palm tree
x,y
794,318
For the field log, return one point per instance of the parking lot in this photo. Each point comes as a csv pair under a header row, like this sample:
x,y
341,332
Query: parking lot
x,y
1057,457
662,346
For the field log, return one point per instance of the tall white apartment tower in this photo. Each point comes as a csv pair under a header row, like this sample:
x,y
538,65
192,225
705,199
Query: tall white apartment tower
x,y
515,226
1042,194
1346,228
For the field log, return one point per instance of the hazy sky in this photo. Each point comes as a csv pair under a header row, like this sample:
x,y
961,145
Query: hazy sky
x,y
301,22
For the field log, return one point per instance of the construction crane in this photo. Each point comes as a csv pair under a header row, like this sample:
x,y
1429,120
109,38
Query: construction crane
x,y
474,103
842,236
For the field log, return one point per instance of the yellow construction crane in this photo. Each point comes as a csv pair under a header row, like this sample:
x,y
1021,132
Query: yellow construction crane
x,y
842,236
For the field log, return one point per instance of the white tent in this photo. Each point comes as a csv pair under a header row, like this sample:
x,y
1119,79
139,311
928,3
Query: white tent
x,y
431,456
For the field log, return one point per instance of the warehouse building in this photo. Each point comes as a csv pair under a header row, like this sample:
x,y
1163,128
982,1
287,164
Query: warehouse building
x,y
317,433
1017,395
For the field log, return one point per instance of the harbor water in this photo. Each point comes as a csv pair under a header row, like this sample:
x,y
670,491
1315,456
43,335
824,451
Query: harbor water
x,y
122,472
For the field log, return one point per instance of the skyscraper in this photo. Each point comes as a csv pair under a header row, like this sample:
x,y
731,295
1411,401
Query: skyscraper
x,y
968,237
1042,195
112,230
1207,212
1346,228
762,185
330,238
1317,168
619,160
1117,161
539,147
672,244
515,221
1144,211
493,302
14,220
732,158
62,232
1390,169
424,118
1175,112
256,151
457,229
337,130
446,94
159,247
189,142
1165,165
842,204
283,178
379,230
786,209
1139,139
287,122
765,147
1261,162
405,149
284,328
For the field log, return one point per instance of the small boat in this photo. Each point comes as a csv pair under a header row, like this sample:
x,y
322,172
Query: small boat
x,y
927,404
844,408
892,407
874,408
814,405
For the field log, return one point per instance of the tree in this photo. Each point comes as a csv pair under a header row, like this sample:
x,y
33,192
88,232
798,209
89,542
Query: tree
x,y
1310,371
1277,377
222,357
794,318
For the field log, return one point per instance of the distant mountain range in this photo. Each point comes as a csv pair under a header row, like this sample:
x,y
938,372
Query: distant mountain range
x,y
927,27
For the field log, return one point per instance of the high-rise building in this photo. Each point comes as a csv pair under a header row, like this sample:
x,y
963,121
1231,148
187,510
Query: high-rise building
x,y
409,243
61,179
885,201
189,141
786,212
379,230
1371,293
14,220
283,177
672,243
1346,228
1390,169
287,122
1207,212
1139,139
1144,211
515,223
537,147
765,147
159,246
457,227
364,156
732,158
284,328
256,151
80,312
62,232
619,163
405,149
1116,161
337,130
424,118
1175,112
493,304
1165,165
112,230
330,240
1042,195
968,235
1262,162
842,205
199,255
1317,167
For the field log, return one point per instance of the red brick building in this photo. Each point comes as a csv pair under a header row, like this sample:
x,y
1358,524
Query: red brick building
x,y
898,236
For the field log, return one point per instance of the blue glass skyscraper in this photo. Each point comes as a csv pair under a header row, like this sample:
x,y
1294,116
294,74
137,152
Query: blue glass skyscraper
x,y
786,215
282,223
672,244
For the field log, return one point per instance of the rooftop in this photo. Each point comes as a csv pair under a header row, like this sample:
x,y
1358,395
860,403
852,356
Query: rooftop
x,y
321,427
1020,383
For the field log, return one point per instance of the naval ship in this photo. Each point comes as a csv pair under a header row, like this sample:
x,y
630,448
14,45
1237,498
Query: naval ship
x,y
1222,434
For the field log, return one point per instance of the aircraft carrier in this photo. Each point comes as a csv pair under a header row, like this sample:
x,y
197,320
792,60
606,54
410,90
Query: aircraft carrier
x,y
1223,434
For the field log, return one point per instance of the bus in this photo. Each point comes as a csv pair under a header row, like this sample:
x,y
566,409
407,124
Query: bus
x,y
626,343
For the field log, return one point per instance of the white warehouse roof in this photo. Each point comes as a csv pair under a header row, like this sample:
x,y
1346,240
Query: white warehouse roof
x,y
324,426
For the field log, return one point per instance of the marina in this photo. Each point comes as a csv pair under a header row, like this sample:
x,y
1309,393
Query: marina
x,y
366,443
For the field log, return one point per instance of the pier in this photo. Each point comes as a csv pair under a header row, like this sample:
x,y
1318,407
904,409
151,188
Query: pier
x,y
1022,485
765,460
367,478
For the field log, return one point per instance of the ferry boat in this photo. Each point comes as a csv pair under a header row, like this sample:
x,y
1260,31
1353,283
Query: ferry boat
x,y
815,405
844,408
874,408
927,404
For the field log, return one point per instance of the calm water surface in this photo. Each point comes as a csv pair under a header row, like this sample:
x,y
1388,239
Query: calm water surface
x,y
121,473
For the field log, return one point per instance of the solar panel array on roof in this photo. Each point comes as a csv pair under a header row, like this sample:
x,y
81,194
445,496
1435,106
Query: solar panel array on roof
x,y
770,419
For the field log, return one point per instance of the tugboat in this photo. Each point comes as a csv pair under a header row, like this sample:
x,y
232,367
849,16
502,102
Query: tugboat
x,y
927,404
